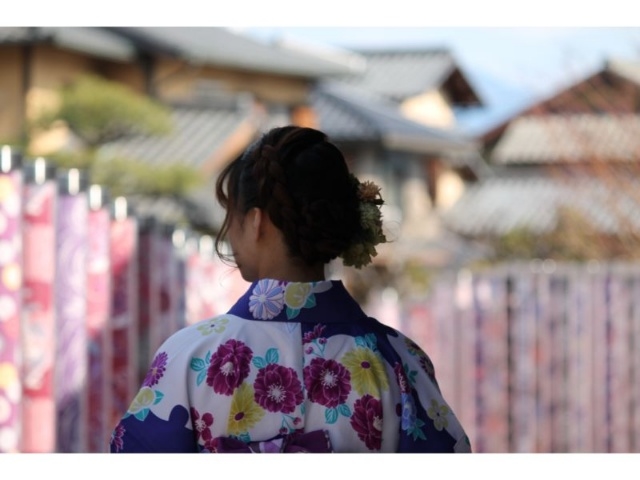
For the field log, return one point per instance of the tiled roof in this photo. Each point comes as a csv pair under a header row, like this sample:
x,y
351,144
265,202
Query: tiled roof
x,y
348,114
497,205
198,132
222,47
95,41
401,74
200,45
569,138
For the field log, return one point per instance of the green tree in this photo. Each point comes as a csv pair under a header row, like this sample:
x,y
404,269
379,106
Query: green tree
x,y
99,111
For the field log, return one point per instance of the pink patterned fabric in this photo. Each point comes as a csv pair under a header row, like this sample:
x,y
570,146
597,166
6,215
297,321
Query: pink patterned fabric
x,y
10,305
124,320
39,318
98,329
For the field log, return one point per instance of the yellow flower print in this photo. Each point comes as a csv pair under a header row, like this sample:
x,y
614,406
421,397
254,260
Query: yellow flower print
x,y
438,413
144,399
12,276
368,375
245,412
296,294
216,325
8,375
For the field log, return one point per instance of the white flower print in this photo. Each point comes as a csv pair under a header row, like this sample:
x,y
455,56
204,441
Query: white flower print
x,y
267,300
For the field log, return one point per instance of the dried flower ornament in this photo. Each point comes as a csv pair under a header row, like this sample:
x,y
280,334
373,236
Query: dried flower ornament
x,y
362,249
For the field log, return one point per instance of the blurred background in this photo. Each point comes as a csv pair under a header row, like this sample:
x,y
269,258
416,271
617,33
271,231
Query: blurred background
x,y
508,160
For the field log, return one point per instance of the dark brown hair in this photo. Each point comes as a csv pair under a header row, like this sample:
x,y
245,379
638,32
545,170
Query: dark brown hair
x,y
301,180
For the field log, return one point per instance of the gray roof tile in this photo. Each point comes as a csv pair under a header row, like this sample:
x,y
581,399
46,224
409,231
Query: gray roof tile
x,y
198,132
217,46
349,114
401,74
569,138
222,47
497,205
91,40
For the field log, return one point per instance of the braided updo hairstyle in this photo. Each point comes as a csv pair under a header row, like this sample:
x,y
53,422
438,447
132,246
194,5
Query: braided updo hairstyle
x,y
301,180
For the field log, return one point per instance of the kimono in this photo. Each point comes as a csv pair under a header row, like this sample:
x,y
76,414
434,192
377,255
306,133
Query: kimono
x,y
292,367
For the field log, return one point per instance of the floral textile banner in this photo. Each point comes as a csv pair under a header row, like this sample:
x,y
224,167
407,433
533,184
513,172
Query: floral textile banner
x,y
11,183
124,319
99,329
71,294
39,317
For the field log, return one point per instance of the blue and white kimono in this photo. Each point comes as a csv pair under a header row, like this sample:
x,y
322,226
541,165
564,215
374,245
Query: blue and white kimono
x,y
291,367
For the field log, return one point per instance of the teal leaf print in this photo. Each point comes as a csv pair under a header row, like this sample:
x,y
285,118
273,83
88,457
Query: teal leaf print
x,y
142,414
331,415
201,376
311,302
272,355
368,341
415,432
245,437
259,362
411,374
207,358
159,396
344,410
198,364
372,343
292,312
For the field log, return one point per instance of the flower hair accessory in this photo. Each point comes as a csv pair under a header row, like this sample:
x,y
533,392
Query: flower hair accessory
x,y
362,249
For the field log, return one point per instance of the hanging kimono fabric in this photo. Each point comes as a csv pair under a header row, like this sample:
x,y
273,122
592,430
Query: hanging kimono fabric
x,y
148,302
124,315
98,321
179,241
162,278
11,183
195,304
71,294
38,309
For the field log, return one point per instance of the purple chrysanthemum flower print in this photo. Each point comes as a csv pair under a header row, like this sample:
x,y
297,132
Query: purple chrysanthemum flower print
x,y
202,424
367,421
313,334
229,366
156,370
116,437
401,376
327,382
266,300
278,389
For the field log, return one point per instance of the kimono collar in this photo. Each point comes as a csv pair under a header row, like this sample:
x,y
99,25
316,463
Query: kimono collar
x,y
325,301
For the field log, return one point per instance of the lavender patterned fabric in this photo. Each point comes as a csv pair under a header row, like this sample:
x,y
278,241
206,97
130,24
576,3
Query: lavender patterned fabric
x,y
71,359
290,358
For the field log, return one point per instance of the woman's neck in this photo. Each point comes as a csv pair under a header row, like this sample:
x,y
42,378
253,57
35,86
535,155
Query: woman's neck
x,y
292,272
